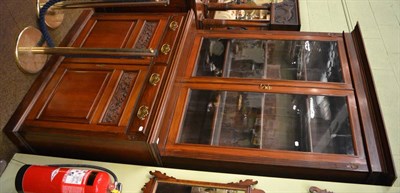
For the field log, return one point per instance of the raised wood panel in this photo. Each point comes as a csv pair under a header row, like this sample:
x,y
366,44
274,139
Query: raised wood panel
x,y
103,96
122,31
108,34
75,97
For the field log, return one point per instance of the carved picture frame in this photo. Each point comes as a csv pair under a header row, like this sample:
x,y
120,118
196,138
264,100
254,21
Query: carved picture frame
x,y
314,189
162,183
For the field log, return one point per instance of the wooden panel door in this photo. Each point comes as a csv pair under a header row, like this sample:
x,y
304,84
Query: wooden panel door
x,y
76,96
89,97
139,31
87,106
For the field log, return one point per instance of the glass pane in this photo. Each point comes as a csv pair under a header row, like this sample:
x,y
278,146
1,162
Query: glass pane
x,y
291,122
259,14
272,59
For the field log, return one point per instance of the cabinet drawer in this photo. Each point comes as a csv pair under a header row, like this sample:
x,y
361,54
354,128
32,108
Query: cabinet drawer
x,y
146,105
168,43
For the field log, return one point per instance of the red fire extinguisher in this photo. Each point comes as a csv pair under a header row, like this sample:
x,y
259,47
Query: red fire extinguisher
x,y
66,178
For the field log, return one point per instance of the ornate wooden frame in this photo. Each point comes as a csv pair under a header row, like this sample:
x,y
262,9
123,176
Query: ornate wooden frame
x,y
158,177
314,189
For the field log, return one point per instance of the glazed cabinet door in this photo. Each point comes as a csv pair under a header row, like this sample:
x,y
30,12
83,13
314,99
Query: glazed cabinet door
x,y
291,121
269,102
245,123
287,60
302,123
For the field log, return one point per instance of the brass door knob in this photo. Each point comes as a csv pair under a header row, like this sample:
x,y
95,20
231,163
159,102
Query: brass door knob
x,y
173,25
143,112
165,49
154,79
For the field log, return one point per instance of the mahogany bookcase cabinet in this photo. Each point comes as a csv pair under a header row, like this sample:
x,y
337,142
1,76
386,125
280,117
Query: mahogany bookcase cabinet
x,y
82,107
273,103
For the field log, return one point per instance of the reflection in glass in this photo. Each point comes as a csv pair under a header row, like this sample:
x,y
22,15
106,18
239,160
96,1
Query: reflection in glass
x,y
256,14
184,188
270,59
291,122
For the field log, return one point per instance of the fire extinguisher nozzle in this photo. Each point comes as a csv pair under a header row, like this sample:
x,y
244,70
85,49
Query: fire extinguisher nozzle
x,y
117,187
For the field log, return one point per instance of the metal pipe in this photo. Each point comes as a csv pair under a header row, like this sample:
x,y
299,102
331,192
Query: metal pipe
x,y
107,52
55,14
72,4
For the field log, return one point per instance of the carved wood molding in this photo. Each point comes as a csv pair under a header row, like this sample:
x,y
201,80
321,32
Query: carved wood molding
x,y
120,97
285,12
314,189
247,182
146,34
243,185
160,175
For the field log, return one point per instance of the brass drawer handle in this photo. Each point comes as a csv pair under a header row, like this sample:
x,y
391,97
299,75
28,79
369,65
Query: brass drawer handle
x,y
173,25
154,79
265,87
165,49
143,112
